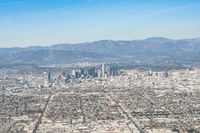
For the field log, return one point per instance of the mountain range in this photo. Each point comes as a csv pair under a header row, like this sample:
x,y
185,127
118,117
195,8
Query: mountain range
x,y
147,49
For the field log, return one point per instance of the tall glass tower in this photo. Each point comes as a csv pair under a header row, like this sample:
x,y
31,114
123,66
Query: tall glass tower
x,y
103,70
49,76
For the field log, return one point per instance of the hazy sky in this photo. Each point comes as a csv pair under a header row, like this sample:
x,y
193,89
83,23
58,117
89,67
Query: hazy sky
x,y
45,22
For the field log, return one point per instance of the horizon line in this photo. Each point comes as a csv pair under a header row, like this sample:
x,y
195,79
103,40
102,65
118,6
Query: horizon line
x,y
75,43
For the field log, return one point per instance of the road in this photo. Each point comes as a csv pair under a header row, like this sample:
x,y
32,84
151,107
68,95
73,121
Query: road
x,y
41,116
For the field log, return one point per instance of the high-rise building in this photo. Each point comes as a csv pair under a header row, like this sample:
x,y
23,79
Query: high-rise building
x,y
113,71
108,71
49,76
73,74
99,75
67,77
82,71
77,74
103,70
150,73
92,72
63,73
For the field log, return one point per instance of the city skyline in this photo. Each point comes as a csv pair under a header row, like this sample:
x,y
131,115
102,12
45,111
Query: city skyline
x,y
34,22
99,66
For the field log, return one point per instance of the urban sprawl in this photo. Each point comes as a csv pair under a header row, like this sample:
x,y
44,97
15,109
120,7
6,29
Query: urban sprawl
x,y
100,99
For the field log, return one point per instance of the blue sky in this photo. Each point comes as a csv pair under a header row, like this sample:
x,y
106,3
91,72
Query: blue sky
x,y
46,22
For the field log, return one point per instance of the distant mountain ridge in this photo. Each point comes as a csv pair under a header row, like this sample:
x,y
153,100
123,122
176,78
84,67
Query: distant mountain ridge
x,y
185,49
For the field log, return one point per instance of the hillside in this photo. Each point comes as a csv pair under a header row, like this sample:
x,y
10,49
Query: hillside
x,y
182,50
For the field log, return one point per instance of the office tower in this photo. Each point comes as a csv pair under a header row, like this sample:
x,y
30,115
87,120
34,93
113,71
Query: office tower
x,y
92,72
73,74
49,76
99,75
108,71
103,70
115,71
67,77
82,71
87,71
112,71
150,73
77,74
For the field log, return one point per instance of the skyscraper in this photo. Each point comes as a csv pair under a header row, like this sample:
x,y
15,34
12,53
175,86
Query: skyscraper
x,y
49,76
113,71
92,72
108,68
99,75
73,74
103,70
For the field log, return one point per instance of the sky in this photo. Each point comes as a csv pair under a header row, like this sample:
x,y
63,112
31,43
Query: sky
x,y
46,22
